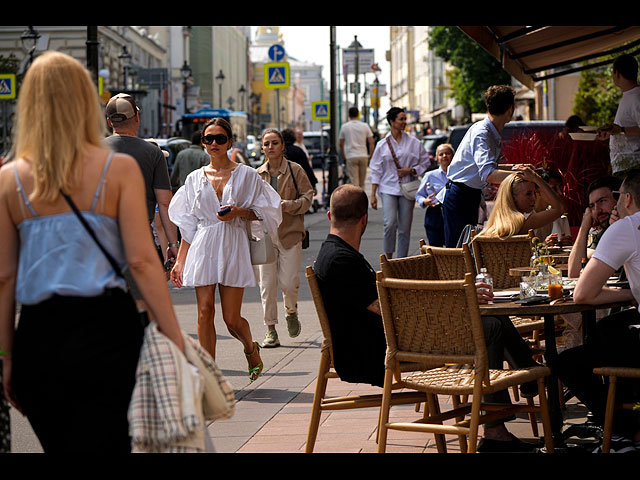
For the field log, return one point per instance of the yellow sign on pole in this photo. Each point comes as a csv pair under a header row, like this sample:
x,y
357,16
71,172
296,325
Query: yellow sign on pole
x,y
321,111
7,86
276,75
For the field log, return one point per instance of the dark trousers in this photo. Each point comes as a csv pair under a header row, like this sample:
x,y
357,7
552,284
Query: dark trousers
x,y
504,343
74,366
459,209
613,344
434,226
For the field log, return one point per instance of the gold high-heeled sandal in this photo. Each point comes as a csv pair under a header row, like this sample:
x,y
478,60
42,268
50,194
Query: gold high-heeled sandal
x,y
255,371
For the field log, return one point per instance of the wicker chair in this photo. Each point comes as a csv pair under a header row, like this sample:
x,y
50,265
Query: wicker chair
x,y
326,371
613,373
438,322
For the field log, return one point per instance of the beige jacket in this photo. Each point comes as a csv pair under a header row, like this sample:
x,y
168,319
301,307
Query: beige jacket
x,y
294,206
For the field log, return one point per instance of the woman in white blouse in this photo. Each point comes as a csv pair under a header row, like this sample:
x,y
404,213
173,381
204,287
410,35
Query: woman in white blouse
x,y
211,210
413,161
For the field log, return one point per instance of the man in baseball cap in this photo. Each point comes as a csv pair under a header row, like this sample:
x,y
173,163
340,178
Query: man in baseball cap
x,y
121,107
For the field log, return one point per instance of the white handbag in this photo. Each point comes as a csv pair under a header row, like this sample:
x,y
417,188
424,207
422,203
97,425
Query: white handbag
x,y
261,249
410,188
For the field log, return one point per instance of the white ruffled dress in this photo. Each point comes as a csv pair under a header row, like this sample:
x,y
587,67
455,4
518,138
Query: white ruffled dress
x,y
219,251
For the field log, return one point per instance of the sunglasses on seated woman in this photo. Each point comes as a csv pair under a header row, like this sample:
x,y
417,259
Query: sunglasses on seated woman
x,y
220,139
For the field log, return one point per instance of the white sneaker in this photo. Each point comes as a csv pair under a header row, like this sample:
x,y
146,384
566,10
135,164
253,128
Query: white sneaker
x,y
271,339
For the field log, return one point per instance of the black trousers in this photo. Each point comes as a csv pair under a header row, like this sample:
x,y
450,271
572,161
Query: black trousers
x,y
74,365
613,344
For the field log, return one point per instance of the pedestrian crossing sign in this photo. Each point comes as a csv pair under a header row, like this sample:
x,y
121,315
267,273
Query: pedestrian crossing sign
x,y
276,75
321,111
7,86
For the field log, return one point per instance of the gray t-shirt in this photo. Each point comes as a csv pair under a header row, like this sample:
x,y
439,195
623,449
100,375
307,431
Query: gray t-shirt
x,y
152,164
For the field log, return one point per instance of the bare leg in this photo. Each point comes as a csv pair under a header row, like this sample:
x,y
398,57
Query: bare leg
x,y
231,302
206,296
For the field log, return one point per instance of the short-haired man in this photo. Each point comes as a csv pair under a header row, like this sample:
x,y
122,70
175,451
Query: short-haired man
x,y
616,340
188,160
123,117
624,132
348,285
356,147
475,164
600,212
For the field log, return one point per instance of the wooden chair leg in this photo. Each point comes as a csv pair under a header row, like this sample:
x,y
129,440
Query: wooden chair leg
x,y
316,411
532,418
434,409
546,418
608,415
384,411
462,439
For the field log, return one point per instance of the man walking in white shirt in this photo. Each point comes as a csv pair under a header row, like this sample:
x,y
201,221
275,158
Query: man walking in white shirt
x,y
354,138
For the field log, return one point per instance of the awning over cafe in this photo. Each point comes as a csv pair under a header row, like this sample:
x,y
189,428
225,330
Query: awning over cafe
x,y
535,53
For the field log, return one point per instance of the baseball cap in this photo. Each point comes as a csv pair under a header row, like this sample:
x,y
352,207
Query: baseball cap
x,y
121,107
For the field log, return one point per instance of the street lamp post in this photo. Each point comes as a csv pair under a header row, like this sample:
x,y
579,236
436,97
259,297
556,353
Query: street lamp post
x,y
125,60
29,40
185,71
242,91
220,79
356,45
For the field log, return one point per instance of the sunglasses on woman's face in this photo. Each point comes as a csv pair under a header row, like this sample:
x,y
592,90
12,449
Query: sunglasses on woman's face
x,y
220,139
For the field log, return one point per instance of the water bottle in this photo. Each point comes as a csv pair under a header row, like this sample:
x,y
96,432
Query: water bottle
x,y
432,191
485,277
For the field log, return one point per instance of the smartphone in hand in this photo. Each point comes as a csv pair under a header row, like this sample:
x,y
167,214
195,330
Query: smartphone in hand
x,y
223,211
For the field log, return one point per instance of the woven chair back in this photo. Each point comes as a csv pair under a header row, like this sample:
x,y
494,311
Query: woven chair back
x,y
499,255
451,263
418,267
432,321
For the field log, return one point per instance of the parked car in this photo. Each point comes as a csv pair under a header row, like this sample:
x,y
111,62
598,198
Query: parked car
x,y
513,129
172,145
254,151
317,145
431,143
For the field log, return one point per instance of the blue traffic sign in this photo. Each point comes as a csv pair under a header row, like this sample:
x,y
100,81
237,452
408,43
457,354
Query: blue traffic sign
x,y
276,75
276,53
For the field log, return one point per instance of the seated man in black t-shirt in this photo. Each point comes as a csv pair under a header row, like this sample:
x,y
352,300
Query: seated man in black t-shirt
x,y
348,285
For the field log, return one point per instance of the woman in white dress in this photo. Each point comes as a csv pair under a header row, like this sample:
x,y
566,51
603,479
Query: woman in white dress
x,y
215,247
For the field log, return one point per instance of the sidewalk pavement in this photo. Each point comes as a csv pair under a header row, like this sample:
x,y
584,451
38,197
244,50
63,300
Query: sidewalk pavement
x,y
272,414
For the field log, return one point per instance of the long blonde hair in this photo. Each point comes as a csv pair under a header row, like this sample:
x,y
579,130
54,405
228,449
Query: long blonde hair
x,y
505,219
59,115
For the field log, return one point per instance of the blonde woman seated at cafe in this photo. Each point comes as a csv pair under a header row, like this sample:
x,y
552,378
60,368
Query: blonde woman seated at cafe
x,y
514,210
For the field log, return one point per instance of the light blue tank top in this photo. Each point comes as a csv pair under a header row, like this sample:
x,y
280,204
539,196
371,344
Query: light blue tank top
x,y
58,256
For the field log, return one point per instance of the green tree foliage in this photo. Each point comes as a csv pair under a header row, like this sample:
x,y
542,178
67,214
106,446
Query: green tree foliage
x,y
597,98
474,69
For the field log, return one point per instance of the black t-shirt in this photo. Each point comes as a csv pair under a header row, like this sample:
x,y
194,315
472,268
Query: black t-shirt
x,y
296,154
348,286
152,164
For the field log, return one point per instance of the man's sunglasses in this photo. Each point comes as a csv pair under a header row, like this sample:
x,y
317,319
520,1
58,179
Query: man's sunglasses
x,y
220,139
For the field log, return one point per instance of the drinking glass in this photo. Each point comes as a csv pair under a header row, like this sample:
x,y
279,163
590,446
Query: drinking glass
x,y
527,287
555,286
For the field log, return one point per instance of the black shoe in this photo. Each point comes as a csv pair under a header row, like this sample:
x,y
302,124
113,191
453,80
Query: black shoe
x,y
529,389
515,445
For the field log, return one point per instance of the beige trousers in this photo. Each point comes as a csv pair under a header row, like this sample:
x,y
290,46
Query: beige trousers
x,y
283,273
357,170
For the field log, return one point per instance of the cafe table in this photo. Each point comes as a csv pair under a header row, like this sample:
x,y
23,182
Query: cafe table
x,y
520,271
548,312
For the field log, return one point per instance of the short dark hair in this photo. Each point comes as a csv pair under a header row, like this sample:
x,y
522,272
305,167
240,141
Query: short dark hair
x,y
289,136
627,66
196,137
353,112
499,98
547,174
610,182
632,185
574,121
348,204
393,113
